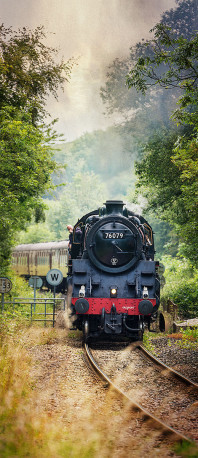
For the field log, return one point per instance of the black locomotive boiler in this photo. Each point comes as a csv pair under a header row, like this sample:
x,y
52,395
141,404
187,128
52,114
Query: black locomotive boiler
x,y
113,280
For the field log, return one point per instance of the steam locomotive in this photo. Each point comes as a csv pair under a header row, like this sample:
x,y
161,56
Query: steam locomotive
x,y
113,280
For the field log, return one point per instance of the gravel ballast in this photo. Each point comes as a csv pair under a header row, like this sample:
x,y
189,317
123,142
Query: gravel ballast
x,y
173,353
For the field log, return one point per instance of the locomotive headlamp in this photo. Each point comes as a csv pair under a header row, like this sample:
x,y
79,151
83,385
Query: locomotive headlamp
x,y
113,292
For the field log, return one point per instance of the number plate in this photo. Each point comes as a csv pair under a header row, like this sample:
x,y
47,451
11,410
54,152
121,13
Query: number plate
x,y
113,235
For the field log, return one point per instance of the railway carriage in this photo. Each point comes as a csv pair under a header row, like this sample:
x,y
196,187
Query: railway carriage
x,y
39,258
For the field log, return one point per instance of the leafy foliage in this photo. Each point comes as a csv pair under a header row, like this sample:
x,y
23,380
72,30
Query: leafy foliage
x,y
166,241
172,64
173,194
85,193
28,74
181,286
38,232
168,179
183,22
26,166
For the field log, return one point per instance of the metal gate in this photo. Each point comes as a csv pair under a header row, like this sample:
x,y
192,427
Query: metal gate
x,y
36,309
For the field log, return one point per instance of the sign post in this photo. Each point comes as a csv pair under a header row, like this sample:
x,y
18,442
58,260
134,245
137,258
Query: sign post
x,y
54,277
36,283
5,287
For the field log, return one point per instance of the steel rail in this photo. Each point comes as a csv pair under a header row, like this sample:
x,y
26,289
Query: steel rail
x,y
146,415
169,369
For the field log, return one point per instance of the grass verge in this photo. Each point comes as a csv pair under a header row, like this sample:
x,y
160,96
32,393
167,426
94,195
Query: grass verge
x,y
24,431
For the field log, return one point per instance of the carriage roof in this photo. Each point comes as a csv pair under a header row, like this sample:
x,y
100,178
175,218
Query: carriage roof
x,y
41,246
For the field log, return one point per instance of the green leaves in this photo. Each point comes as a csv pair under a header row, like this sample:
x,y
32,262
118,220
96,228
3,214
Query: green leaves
x,y
173,63
28,73
168,172
181,286
26,166
168,178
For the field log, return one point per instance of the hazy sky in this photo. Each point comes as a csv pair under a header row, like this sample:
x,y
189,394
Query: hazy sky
x,y
96,31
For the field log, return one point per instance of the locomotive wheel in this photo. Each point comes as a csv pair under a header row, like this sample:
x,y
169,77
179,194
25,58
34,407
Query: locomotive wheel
x,y
85,330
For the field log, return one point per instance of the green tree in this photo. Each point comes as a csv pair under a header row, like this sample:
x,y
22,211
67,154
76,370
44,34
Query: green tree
x,y
172,64
168,178
181,286
28,73
28,70
85,193
185,158
168,172
156,103
36,233
26,167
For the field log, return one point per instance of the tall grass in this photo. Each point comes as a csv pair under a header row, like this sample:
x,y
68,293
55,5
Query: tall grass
x,y
24,430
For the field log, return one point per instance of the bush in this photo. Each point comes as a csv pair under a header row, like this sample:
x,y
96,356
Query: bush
x,y
181,286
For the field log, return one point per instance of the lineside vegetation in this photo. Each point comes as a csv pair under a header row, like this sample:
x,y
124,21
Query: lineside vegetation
x,y
28,74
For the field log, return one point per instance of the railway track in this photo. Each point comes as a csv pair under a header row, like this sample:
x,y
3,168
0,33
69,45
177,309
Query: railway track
x,y
167,369
146,415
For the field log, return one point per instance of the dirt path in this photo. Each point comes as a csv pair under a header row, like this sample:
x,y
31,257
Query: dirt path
x,y
96,423
64,383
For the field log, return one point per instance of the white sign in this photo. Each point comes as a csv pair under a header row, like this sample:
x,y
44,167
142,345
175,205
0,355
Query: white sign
x,y
54,277
5,285
35,282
